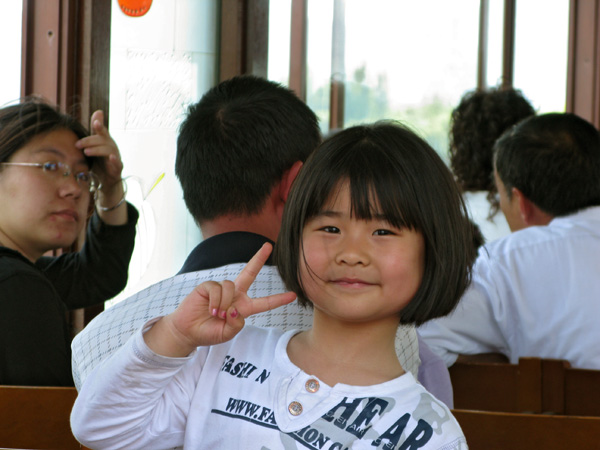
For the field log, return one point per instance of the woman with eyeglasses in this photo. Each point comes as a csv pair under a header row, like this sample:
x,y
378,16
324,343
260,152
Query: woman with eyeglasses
x,y
54,179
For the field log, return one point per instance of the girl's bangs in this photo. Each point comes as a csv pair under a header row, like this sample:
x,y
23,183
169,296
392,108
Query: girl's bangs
x,y
376,190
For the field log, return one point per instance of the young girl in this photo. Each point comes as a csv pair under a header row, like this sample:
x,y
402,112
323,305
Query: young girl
x,y
374,234
46,184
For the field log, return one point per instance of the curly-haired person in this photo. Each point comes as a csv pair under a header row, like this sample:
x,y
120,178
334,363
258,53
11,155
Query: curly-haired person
x,y
478,120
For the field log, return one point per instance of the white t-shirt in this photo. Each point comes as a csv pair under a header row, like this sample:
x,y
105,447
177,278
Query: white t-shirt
x,y
113,327
247,394
535,292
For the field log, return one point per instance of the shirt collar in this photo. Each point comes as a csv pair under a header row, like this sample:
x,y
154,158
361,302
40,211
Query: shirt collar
x,y
223,249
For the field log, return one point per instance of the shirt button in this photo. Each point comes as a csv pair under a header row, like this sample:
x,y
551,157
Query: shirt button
x,y
312,385
295,408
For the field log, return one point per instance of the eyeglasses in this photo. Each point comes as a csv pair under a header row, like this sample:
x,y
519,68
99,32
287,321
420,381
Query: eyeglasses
x,y
85,179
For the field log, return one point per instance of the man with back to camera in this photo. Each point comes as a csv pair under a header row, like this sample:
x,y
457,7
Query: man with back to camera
x,y
536,291
238,151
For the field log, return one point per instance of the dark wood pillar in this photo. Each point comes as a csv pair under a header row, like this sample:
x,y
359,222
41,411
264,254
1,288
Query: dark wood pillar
x,y
482,49
338,66
508,47
66,60
244,38
66,53
298,32
583,76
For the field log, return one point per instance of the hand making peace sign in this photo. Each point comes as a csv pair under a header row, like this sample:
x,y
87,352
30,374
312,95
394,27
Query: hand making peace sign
x,y
213,312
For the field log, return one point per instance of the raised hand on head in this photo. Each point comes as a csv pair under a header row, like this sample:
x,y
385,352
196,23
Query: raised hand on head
x,y
100,145
213,312
110,198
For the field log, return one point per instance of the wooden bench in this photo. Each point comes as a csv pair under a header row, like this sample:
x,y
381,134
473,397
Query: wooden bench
x,y
487,430
534,385
570,391
37,417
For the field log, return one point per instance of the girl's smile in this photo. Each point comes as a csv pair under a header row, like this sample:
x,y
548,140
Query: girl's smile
x,y
351,283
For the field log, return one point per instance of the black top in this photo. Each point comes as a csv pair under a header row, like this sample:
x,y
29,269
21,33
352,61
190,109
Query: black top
x,y
34,298
223,249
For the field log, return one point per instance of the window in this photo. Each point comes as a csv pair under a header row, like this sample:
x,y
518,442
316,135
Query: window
x,y
395,59
413,61
160,63
409,61
10,51
541,48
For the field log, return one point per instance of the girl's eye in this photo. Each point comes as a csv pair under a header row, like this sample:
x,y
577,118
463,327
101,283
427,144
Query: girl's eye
x,y
383,233
330,229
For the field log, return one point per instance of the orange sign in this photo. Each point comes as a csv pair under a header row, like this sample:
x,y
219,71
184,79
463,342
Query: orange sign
x,y
135,8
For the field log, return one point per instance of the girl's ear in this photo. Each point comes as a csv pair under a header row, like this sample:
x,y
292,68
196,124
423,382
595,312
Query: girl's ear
x,y
288,179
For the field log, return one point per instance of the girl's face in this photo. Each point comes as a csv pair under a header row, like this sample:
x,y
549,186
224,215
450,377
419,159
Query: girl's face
x,y
41,211
359,270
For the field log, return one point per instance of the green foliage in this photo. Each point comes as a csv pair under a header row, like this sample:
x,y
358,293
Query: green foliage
x,y
431,120
366,104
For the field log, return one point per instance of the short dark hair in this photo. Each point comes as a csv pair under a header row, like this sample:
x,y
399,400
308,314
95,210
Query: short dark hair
x,y
554,160
479,119
414,189
32,117
237,142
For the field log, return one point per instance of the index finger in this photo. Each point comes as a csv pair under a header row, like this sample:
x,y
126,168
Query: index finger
x,y
249,273
97,123
262,304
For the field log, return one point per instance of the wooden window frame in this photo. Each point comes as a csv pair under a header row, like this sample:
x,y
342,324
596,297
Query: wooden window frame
x,y
66,60
583,73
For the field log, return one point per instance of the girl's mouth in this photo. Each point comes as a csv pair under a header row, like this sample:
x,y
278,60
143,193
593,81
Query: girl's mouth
x,y
351,282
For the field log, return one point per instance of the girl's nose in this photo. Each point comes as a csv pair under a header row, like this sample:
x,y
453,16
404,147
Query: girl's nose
x,y
353,250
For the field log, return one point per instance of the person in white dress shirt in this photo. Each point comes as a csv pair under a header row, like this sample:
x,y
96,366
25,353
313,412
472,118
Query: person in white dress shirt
x,y
536,291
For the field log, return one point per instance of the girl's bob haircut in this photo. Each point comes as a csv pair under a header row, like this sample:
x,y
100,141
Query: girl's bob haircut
x,y
391,171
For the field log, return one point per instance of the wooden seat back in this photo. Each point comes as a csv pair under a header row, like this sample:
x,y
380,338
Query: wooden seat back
x,y
36,417
498,386
582,392
487,430
570,391
534,385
